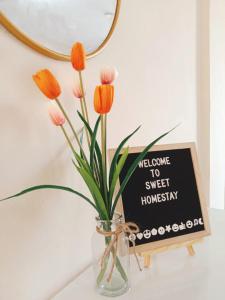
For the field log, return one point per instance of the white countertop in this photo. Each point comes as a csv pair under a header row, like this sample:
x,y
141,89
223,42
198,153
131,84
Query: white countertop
x,y
173,275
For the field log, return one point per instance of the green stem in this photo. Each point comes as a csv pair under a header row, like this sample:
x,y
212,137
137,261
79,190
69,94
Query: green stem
x,y
119,267
67,138
69,122
105,158
82,108
83,93
105,137
103,140
84,116
96,173
71,126
103,144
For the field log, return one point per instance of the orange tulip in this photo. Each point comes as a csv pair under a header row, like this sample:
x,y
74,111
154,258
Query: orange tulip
x,y
47,83
103,98
78,56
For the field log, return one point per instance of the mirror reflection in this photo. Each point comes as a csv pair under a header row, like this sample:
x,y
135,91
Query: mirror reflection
x,y
57,24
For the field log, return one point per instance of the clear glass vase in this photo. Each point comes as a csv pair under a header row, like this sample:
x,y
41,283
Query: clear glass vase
x,y
111,260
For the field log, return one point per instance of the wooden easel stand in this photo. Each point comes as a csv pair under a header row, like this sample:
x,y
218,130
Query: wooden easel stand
x,y
189,245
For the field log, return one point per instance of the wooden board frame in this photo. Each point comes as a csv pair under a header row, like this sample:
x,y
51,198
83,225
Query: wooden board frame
x,y
203,205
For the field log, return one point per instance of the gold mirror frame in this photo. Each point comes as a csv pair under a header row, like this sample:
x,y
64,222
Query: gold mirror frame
x,y
50,53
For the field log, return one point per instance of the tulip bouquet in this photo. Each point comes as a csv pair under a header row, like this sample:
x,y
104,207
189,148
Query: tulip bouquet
x,y
92,166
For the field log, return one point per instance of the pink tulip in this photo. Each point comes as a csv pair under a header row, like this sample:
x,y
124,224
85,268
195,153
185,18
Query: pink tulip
x,y
77,91
108,75
56,115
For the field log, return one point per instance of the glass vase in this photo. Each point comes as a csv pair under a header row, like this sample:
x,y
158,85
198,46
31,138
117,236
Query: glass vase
x,y
111,260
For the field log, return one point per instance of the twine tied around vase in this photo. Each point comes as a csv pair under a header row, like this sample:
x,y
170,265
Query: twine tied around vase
x,y
129,228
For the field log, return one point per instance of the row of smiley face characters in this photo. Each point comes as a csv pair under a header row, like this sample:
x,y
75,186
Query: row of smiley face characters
x,y
162,230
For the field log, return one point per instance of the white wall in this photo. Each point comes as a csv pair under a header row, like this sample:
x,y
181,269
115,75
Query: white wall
x,y
203,92
217,103
45,236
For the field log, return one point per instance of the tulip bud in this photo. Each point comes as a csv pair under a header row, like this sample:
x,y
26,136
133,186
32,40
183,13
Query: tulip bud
x,y
78,57
108,75
56,115
77,91
47,84
103,98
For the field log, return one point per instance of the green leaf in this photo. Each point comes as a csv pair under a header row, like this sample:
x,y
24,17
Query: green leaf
x,y
50,186
81,135
81,141
85,123
116,174
133,167
83,163
85,167
97,150
117,153
93,142
94,189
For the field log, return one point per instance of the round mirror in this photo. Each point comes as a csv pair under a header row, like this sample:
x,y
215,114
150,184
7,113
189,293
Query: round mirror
x,y
52,26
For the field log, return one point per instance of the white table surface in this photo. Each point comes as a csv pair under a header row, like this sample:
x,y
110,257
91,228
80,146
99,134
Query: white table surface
x,y
174,275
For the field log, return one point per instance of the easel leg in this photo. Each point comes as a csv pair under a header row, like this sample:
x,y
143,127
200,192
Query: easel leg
x,y
147,260
191,250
